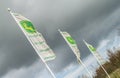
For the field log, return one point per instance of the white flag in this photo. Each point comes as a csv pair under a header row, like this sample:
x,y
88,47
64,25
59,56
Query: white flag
x,y
94,52
72,43
36,39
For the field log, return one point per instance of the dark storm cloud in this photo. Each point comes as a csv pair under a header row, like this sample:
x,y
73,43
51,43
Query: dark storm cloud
x,y
73,16
82,19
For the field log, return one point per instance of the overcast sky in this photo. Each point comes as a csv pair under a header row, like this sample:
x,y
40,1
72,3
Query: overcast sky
x,y
91,20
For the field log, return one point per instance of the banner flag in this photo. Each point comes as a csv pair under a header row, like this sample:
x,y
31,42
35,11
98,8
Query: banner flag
x,y
35,38
72,43
94,52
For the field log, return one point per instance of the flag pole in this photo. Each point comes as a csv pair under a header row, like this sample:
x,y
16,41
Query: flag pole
x,y
102,67
85,68
9,10
50,70
98,62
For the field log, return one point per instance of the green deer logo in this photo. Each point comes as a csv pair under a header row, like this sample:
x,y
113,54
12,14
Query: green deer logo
x,y
28,26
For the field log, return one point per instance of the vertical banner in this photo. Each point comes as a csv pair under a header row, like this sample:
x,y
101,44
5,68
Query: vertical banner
x,y
94,52
37,40
72,43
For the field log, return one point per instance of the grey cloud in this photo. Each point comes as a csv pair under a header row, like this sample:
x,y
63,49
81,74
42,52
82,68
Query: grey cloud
x,y
64,57
32,71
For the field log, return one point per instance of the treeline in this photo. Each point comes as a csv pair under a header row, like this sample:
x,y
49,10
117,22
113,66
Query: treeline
x,y
110,66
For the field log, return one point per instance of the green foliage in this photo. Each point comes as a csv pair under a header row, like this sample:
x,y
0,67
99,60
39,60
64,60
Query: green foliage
x,y
112,66
115,74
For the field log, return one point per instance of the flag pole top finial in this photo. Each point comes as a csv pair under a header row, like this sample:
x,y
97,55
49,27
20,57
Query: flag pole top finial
x,y
9,10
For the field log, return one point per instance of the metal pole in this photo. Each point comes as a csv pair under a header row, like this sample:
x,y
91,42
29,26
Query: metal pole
x,y
86,68
50,70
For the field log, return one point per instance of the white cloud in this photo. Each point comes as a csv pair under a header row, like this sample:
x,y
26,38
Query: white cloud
x,y
79,71
103,44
